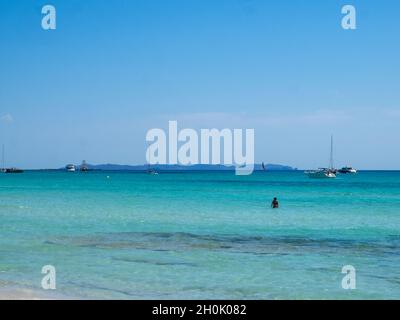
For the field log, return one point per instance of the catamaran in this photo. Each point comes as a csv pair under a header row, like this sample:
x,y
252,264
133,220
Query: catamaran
x,y
323,173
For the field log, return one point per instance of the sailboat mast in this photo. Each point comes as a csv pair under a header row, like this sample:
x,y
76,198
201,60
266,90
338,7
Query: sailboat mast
x,y
148,158
331,158
3,165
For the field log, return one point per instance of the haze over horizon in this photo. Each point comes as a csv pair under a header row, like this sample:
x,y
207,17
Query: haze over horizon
x,y
93,87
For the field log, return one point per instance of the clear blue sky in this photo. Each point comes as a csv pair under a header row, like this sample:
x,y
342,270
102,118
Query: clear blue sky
x,y
114,69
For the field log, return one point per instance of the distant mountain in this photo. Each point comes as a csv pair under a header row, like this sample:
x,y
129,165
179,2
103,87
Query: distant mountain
x,y
197,167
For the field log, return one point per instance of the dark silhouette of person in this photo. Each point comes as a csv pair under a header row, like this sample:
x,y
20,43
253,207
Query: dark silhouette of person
x,y
275,204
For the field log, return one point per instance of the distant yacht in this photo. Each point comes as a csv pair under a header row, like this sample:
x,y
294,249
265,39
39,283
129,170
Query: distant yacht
x,y
70,168
323,173
3,166
13,170
150,170
347,170
84,166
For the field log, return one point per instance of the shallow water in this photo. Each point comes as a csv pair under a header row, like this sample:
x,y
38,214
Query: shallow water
x,y
201,234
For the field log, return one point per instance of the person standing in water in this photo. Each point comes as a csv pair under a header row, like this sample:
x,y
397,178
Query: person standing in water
x,y
275,204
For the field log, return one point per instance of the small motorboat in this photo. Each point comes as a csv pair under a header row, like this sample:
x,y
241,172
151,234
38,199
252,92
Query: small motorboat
x,y
70,168
346,170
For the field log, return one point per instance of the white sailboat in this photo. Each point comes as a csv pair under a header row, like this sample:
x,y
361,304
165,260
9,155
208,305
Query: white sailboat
x,y
7,170
323,173
84,166
3,166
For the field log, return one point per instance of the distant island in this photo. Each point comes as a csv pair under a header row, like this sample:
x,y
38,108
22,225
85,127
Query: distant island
x,y
167,167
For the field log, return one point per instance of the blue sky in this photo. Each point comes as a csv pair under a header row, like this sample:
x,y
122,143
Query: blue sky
x,y
114,69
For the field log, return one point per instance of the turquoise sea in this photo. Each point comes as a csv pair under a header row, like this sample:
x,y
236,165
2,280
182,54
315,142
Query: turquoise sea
x,y
201,235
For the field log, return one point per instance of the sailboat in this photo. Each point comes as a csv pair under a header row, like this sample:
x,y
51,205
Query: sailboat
x,y
323,173
84,166
149,169
3,166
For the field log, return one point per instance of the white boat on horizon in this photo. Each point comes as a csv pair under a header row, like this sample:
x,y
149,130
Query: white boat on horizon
x,y
346,170
70,168
3,168
323,173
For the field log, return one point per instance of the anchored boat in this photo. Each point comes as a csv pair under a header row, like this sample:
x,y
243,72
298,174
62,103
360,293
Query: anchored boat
x,y
84,166
13,170
323,173
70,168
346,170
3,166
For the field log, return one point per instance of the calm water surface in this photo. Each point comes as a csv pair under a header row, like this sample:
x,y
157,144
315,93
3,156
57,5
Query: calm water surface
x,y
201,235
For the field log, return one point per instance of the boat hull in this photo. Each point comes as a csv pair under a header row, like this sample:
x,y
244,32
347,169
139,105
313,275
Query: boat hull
x,y
321,174
13,171
348,171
